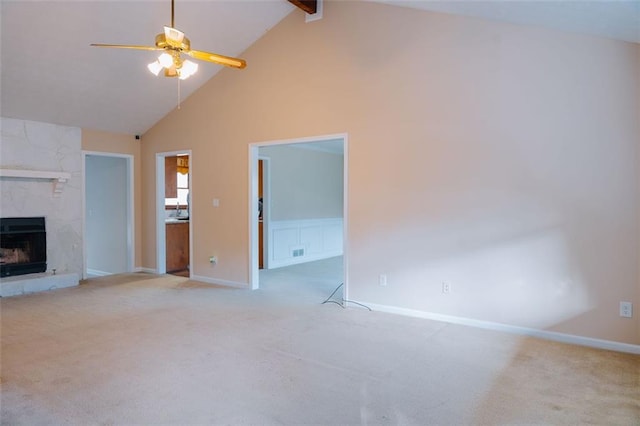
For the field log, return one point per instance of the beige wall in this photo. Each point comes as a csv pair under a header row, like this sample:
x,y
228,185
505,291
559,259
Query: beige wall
x,y
97,141
305,183
500,159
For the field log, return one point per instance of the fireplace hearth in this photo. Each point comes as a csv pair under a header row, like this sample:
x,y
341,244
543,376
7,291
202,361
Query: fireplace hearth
x,y
23,246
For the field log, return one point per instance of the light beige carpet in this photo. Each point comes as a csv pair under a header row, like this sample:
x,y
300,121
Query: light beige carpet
x,y
143,349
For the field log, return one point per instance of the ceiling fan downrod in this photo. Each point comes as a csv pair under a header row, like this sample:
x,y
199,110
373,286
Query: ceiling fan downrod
x,y
172,14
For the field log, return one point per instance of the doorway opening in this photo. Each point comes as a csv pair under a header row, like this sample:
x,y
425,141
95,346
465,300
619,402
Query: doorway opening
x,y
174,237
108,214
300,221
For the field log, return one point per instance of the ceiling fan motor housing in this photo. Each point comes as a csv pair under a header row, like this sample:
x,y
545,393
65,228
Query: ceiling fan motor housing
x,y
164,43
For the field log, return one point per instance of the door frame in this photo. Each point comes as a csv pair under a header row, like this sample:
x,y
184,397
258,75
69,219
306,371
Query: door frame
x,y
130,220
266,207
161,234
254,154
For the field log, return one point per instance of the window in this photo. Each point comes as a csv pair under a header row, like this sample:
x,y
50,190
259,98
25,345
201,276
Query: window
x,y
183,191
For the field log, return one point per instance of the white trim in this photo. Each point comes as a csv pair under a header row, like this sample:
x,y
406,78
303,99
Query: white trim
x,y
97,273
345,214
225,283
525,331
266,208
146,270
253,213
161,250
83,189
190,210
130,208
253,153
308,139
308,17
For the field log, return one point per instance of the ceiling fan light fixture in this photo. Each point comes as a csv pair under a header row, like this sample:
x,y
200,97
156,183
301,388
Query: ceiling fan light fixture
x,y
188,69
171,72
155,67
166,60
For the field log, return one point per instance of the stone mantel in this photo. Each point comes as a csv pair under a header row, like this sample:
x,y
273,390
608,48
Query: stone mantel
x,y
58,178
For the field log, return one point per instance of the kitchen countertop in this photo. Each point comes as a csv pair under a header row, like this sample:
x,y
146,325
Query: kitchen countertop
x,y
172,220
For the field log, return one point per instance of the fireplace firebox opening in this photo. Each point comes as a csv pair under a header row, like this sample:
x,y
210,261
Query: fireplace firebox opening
x,y
23,246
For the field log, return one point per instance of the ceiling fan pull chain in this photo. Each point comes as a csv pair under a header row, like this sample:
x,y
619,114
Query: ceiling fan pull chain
x,y
178,93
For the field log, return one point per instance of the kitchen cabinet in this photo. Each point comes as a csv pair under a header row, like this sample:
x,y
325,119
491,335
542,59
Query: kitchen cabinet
x,y
182,163
177,237
171,177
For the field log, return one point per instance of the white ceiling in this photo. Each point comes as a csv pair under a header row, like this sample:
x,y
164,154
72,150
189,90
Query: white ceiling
x,y
50,73
616,19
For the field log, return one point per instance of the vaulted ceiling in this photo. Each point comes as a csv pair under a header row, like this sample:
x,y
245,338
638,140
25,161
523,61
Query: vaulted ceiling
x,y
50,73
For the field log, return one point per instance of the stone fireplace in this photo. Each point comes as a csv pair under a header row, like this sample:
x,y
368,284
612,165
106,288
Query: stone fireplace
x,y
41,177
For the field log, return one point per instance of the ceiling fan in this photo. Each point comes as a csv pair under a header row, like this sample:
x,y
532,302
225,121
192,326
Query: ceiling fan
x,y
173,43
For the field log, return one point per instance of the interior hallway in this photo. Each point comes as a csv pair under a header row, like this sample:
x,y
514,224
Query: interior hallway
x,y
147,349
311,282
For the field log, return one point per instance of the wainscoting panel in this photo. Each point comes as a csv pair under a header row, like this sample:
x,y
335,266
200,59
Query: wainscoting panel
x,y
299,241
312,240
283,239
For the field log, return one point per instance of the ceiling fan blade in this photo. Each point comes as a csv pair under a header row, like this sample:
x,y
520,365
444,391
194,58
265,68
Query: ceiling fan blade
x,y
218,59
127,46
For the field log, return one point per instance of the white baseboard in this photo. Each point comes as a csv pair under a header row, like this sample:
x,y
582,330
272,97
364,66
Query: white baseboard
x,y
96,273
147,270
488,325
218,281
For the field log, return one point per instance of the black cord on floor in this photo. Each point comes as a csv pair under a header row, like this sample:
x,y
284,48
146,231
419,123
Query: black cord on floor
x,y
334,292
356,303
333,301
328,300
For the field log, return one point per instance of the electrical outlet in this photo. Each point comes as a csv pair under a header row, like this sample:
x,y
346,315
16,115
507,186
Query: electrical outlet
x,y
626,309
382,280
446,288
213,260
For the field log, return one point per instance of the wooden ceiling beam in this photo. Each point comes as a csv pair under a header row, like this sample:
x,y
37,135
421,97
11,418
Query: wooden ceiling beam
x,y
309,6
